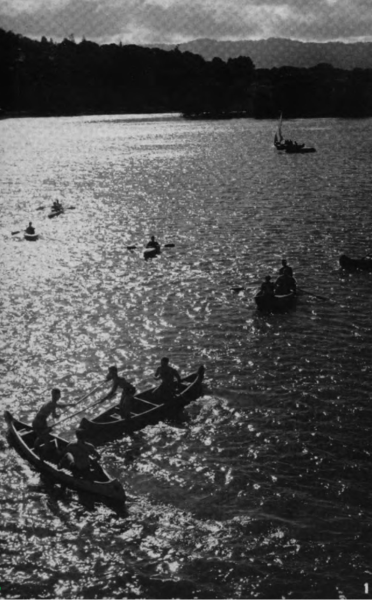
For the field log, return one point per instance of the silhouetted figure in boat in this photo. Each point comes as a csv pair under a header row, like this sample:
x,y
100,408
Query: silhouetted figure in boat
x,y
285,284
170,380
77,456
127,395
30,230
267,287
57,206
40,422
285,265
153,244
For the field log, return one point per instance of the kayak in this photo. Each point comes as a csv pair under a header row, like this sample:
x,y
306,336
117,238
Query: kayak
x,y
31,237
151,252
149,408
55,213
23,436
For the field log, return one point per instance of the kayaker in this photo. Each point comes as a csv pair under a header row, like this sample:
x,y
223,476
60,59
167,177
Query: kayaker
x,y
128,391
170,379
267,287
153,243
30,230
285,284
77,455
40,422
285,265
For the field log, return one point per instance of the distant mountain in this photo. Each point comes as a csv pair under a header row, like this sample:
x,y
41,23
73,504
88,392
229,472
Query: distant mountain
x,y
279,52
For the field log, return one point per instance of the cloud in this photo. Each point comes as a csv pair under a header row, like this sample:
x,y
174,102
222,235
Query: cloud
x,y
153,21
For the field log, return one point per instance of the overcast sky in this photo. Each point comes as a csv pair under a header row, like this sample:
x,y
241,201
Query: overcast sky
x,y
176,21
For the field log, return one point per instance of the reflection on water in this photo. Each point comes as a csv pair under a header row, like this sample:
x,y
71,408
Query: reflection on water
x,y
263,489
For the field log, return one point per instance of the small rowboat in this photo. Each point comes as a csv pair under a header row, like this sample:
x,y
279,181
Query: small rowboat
x,y
31,237
148,409
355,264
269,303
23,436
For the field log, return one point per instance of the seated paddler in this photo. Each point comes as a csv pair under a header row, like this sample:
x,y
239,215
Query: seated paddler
x,y
267,287
127,395
153,243
285,265
285,284
30,229
170,380
77,456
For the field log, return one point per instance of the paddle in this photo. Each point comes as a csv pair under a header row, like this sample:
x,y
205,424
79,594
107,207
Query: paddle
x,y
16,232
237,289
41,208
78,402
302,291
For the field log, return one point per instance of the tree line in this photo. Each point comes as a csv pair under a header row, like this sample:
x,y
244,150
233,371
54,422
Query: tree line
x,y
43,78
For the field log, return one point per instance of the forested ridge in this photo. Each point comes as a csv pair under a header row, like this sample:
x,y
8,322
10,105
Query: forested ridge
x,y
43,78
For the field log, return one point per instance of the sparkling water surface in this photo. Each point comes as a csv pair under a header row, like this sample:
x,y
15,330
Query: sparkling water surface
x,y
263,489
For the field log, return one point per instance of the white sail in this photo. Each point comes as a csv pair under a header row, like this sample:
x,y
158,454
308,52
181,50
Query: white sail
x,y
280,136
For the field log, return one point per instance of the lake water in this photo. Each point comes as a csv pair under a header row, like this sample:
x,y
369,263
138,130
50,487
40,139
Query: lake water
x,y
264,491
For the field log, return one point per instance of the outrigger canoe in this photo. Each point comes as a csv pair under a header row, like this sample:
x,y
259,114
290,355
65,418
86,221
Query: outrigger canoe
x,y
149,409
23,436
355,264
269,303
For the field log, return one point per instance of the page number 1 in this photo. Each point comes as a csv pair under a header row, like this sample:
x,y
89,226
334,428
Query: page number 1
x,y
366,588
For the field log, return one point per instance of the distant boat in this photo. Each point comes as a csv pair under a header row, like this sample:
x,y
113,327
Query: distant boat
x,y
288,146
355,264
278,137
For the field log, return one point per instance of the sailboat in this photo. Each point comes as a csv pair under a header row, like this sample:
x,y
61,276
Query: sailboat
x,y
287,145
278,137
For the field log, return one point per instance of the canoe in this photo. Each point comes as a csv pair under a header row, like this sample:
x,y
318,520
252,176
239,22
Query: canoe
x,y
22,437
31,237
355,264
148,409
267,303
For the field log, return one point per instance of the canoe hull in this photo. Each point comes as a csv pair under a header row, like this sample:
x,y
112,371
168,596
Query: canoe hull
x,y
267,303
354,264
22,437
55,213
300,151
31,237
148,409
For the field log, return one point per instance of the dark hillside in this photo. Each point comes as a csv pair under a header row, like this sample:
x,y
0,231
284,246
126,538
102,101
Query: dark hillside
x,y
44,78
